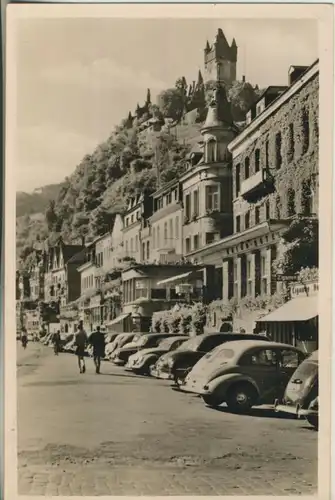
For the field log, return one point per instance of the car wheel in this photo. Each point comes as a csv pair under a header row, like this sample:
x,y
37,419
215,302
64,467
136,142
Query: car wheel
x,y
313,420
241,397
212,400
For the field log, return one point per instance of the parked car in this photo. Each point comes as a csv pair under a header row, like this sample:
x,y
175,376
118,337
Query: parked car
x,y
146,341
301,396
176,364
244,373
141,361
119,341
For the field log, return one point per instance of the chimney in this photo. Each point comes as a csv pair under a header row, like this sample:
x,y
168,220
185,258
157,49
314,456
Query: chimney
x,y
243,78
295,72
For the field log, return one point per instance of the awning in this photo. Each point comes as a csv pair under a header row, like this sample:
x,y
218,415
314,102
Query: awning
x,y
175,278
118,319
300,309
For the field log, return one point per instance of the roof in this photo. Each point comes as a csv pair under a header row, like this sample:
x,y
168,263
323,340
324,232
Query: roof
x,y
242,345
70,251
77,258
299,309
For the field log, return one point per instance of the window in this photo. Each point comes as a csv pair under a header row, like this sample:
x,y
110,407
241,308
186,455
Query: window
x,y
169,199
148,250
196,203
246,167
136,243
171,228
278,207
249,291
288,358
260,357
211,151
257,215
306,198
158,237
264,286
126,246
212,197
263,265
177,228
290,202
196,242
290,149
238,180
267,154
187,206
210,238
238,223
267,210
257,160
278,151
132,218
165,232
188,245
137,215
247,220
305,129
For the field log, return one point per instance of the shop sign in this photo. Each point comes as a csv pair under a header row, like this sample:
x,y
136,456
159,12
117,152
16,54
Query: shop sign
x,y
286,277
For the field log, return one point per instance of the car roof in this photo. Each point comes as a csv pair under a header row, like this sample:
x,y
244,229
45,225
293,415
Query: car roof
x,y
243,345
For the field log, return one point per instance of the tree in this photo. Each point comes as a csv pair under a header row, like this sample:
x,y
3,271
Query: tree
x,y
171,103
51,216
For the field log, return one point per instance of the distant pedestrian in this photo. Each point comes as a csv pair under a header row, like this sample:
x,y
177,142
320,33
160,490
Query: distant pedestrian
x,y
97,340
56,340
81,342
24,338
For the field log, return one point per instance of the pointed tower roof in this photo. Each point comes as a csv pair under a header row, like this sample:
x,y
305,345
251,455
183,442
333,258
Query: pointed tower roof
x,y
200,78
221,37
148,101
219,111
234,44
208,47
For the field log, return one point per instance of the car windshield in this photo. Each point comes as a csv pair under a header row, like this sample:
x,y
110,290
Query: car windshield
x,y
190,345
166,343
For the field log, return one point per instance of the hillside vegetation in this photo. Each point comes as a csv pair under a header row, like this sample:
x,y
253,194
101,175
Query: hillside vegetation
x,y
125,164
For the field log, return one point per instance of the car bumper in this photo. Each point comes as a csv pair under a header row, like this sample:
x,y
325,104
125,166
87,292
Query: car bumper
x,y
157,373
295,410
118,362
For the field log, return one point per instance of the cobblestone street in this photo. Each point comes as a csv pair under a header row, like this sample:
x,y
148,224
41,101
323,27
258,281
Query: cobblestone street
x,y
119,434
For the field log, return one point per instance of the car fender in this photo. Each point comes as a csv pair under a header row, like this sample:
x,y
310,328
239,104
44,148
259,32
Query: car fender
x,y
223,382
148,357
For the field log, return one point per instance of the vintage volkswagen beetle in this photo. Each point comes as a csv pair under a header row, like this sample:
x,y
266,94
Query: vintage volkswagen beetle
x,y
301,396
141,361
175,365
141,341
243,373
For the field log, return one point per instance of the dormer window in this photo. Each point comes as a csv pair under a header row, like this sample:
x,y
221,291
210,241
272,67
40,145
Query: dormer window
x,y
211,151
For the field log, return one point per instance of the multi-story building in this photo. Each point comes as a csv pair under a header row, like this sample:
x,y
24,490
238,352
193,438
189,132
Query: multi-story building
x,y
164,232
100,297
275,178
135,219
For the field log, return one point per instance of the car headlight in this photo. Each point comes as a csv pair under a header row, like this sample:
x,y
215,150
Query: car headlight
x,y
170,362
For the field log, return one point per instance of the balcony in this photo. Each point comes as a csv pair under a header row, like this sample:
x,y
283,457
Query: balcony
x,y
257,186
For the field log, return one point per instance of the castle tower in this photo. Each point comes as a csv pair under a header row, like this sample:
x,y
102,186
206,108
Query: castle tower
x,y
218,129
220,60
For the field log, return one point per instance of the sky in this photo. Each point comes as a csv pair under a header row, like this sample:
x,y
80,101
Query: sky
x,y
77,78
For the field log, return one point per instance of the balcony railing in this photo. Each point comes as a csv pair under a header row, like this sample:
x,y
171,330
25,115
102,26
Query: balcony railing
x,y
257,185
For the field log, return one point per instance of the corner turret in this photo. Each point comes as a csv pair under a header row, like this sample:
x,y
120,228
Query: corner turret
x,y
220,60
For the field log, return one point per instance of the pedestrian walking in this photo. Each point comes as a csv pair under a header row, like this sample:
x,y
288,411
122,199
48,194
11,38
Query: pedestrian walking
x,y
24,338
97,340
81,342
56,340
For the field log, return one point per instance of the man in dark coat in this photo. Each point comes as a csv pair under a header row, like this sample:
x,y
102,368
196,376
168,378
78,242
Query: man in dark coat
x,y
97,340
